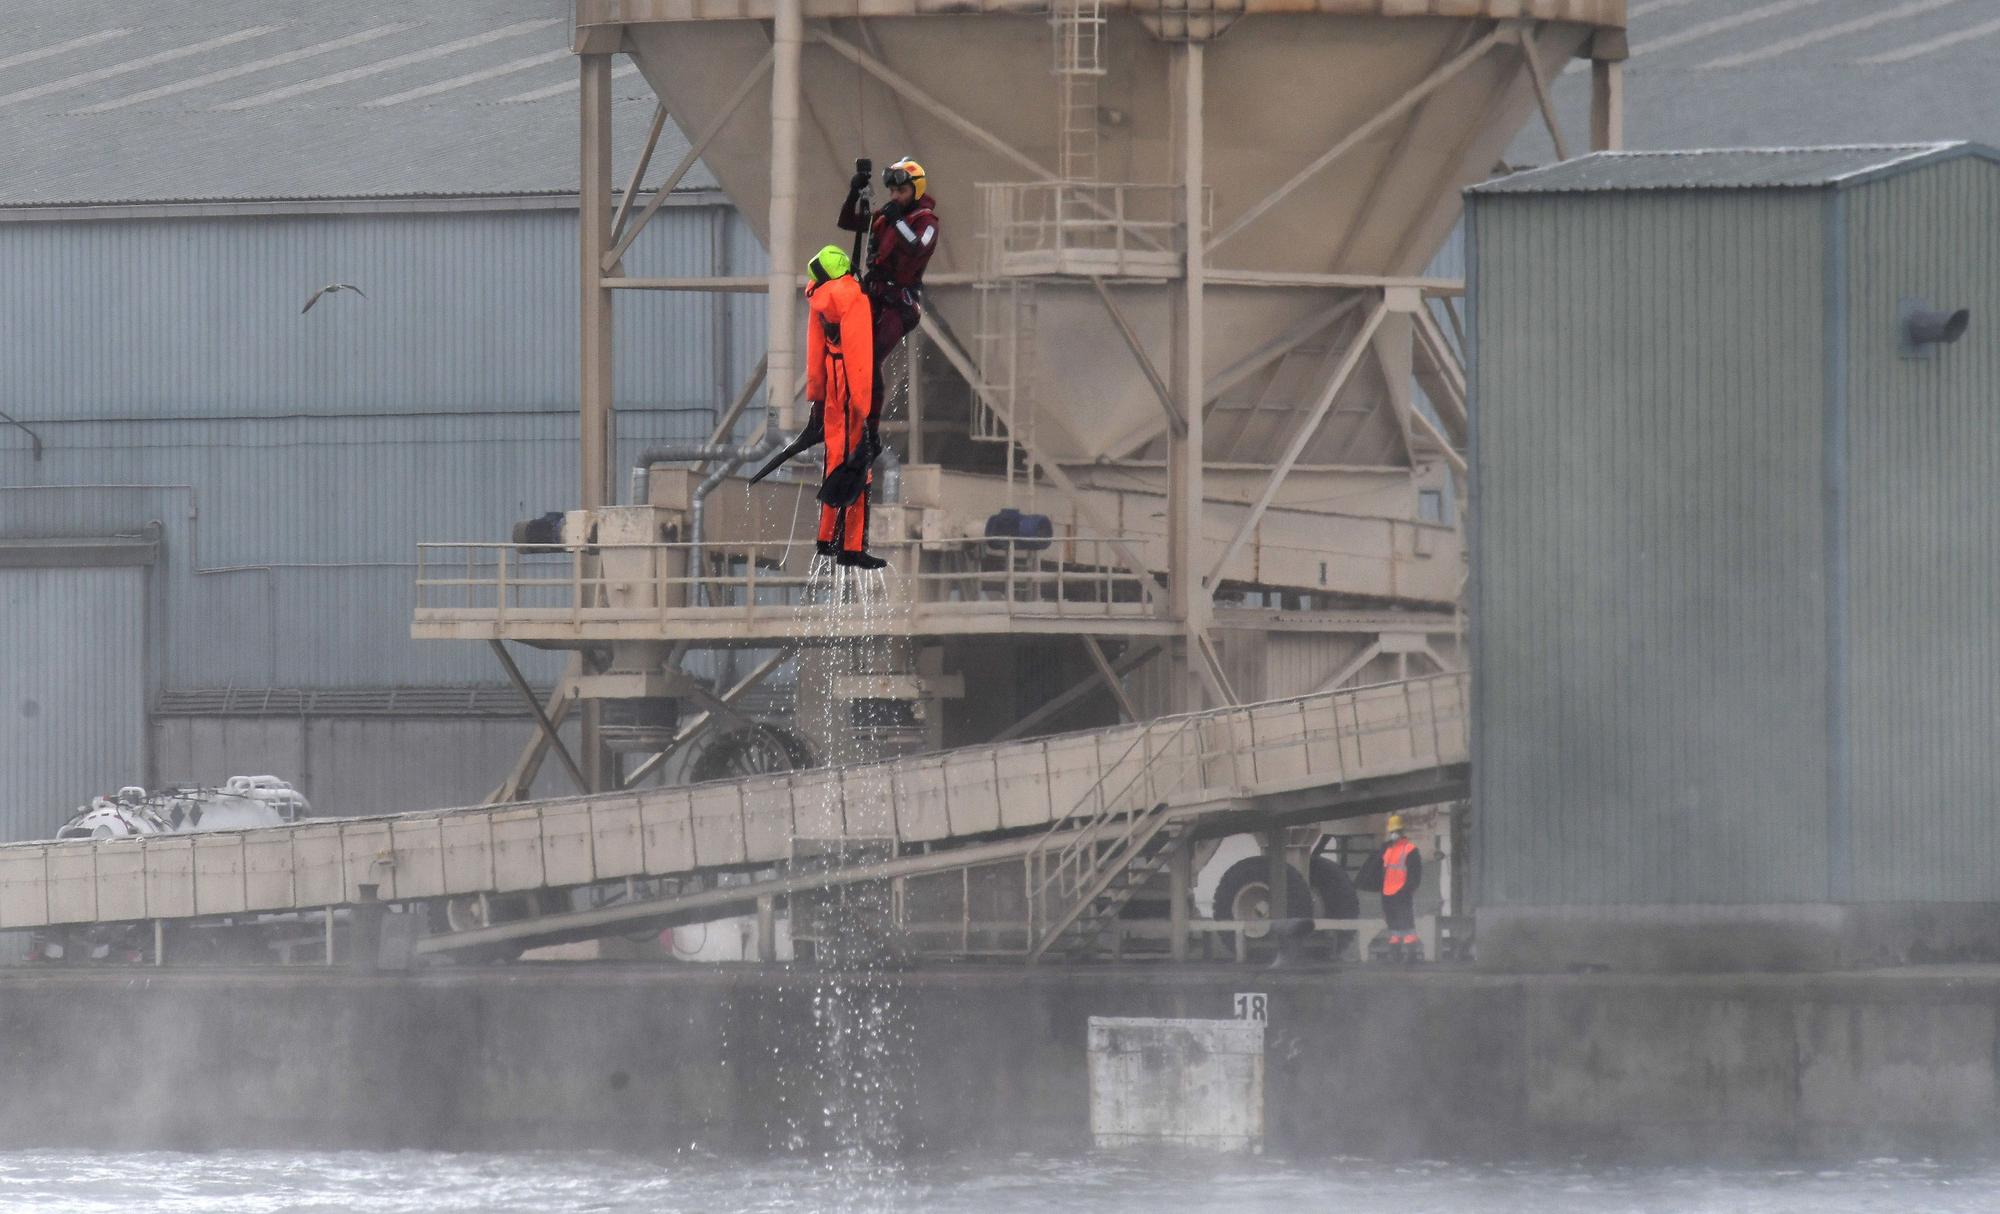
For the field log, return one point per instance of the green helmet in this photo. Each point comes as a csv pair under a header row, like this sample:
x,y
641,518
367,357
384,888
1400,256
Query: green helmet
x,y
828,263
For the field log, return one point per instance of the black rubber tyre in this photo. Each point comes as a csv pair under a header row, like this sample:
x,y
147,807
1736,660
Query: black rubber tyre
x,y
741,753
1245,892
1334,891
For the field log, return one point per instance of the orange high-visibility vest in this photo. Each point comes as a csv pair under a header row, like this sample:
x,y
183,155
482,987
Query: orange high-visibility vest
x,y
1395,866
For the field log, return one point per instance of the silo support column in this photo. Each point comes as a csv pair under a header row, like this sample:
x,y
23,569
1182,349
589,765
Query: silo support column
x,y
1608,52
787,34
1188,597
595,433
594,380
1607,106
1531,58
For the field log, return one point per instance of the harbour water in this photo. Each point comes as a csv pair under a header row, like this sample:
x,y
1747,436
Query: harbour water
x,y
247,1182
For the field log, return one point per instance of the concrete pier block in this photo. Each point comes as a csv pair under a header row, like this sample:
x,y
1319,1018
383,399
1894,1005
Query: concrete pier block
x,y
1893,1075
1185,1083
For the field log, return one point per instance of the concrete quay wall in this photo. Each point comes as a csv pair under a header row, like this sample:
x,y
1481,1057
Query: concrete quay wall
x,y
1440,1063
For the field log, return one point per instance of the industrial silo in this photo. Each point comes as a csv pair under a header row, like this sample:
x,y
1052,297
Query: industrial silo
x,y
1179,307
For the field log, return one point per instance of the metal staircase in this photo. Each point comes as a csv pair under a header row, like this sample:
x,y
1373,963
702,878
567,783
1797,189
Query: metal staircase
x,y
1096,902
1084,870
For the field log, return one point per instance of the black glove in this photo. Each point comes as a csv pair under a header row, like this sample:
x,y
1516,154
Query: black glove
x,y
849,479
813,435
865,450
857,183
891,211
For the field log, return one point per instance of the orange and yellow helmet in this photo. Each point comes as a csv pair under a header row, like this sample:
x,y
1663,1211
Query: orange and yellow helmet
x,y
905,172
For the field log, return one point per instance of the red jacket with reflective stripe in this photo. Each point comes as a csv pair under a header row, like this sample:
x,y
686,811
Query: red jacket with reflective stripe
x,y
898,250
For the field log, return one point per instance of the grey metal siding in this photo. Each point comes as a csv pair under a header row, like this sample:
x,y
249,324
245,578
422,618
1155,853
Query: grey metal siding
x,y
1924,530
469,312
72,691
1650,641
296,461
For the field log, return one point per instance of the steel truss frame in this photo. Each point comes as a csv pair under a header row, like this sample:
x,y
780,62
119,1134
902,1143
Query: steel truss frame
x,y
1183,387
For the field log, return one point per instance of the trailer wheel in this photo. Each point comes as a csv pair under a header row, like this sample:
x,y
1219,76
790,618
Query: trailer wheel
x,y
1244,895
1334,891
753,751
468,913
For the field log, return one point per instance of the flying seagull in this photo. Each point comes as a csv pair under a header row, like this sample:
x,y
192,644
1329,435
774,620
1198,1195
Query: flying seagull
x,y
329,289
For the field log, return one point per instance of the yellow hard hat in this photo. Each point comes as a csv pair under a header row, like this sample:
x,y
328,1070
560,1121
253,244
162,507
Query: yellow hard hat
x,y
1394,824
905,172
829,263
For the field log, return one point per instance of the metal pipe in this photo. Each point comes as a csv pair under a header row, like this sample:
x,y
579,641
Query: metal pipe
x,y
727,459
675,453
770,445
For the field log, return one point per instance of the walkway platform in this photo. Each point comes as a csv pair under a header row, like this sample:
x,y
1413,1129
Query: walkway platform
x,y
1068,796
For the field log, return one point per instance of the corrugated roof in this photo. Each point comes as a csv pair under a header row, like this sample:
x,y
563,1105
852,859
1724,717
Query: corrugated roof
x,y
106,102
1728,168
1793,73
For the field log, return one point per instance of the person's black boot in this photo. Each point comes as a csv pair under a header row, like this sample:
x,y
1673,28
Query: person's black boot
x,y
826,548
860,560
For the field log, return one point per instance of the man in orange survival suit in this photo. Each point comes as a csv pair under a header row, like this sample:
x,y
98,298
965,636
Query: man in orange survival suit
x,y
840,381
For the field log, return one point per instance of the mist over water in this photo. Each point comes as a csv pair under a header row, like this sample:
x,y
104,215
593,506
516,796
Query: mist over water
x,y
856,1065
243,1182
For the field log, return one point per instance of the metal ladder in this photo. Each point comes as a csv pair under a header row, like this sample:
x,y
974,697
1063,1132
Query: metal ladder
x,y
1077,27
1006,343
1006,351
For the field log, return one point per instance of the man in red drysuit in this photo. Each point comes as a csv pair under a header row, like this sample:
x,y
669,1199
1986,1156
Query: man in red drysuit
x,y
901,238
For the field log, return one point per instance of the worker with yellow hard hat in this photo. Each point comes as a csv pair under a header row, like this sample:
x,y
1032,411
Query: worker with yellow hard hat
x,y
1396,871
902,236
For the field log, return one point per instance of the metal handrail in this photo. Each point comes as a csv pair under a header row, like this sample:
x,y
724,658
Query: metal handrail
x,y
1078,574
1076,839
1391,707
1037,211
1067,575
1066,875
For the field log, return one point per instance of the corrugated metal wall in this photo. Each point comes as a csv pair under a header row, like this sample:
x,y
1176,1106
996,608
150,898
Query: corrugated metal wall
x,y
72,693
466,312
295,461
1650,641
1924,536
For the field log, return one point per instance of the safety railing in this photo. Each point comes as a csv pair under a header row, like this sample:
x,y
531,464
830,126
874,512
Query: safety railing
x,y
1105,825
1331,738
1066,577
1085,228
1211,761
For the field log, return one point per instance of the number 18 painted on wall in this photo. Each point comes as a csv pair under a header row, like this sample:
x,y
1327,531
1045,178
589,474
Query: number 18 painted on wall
x,y
1253,1006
